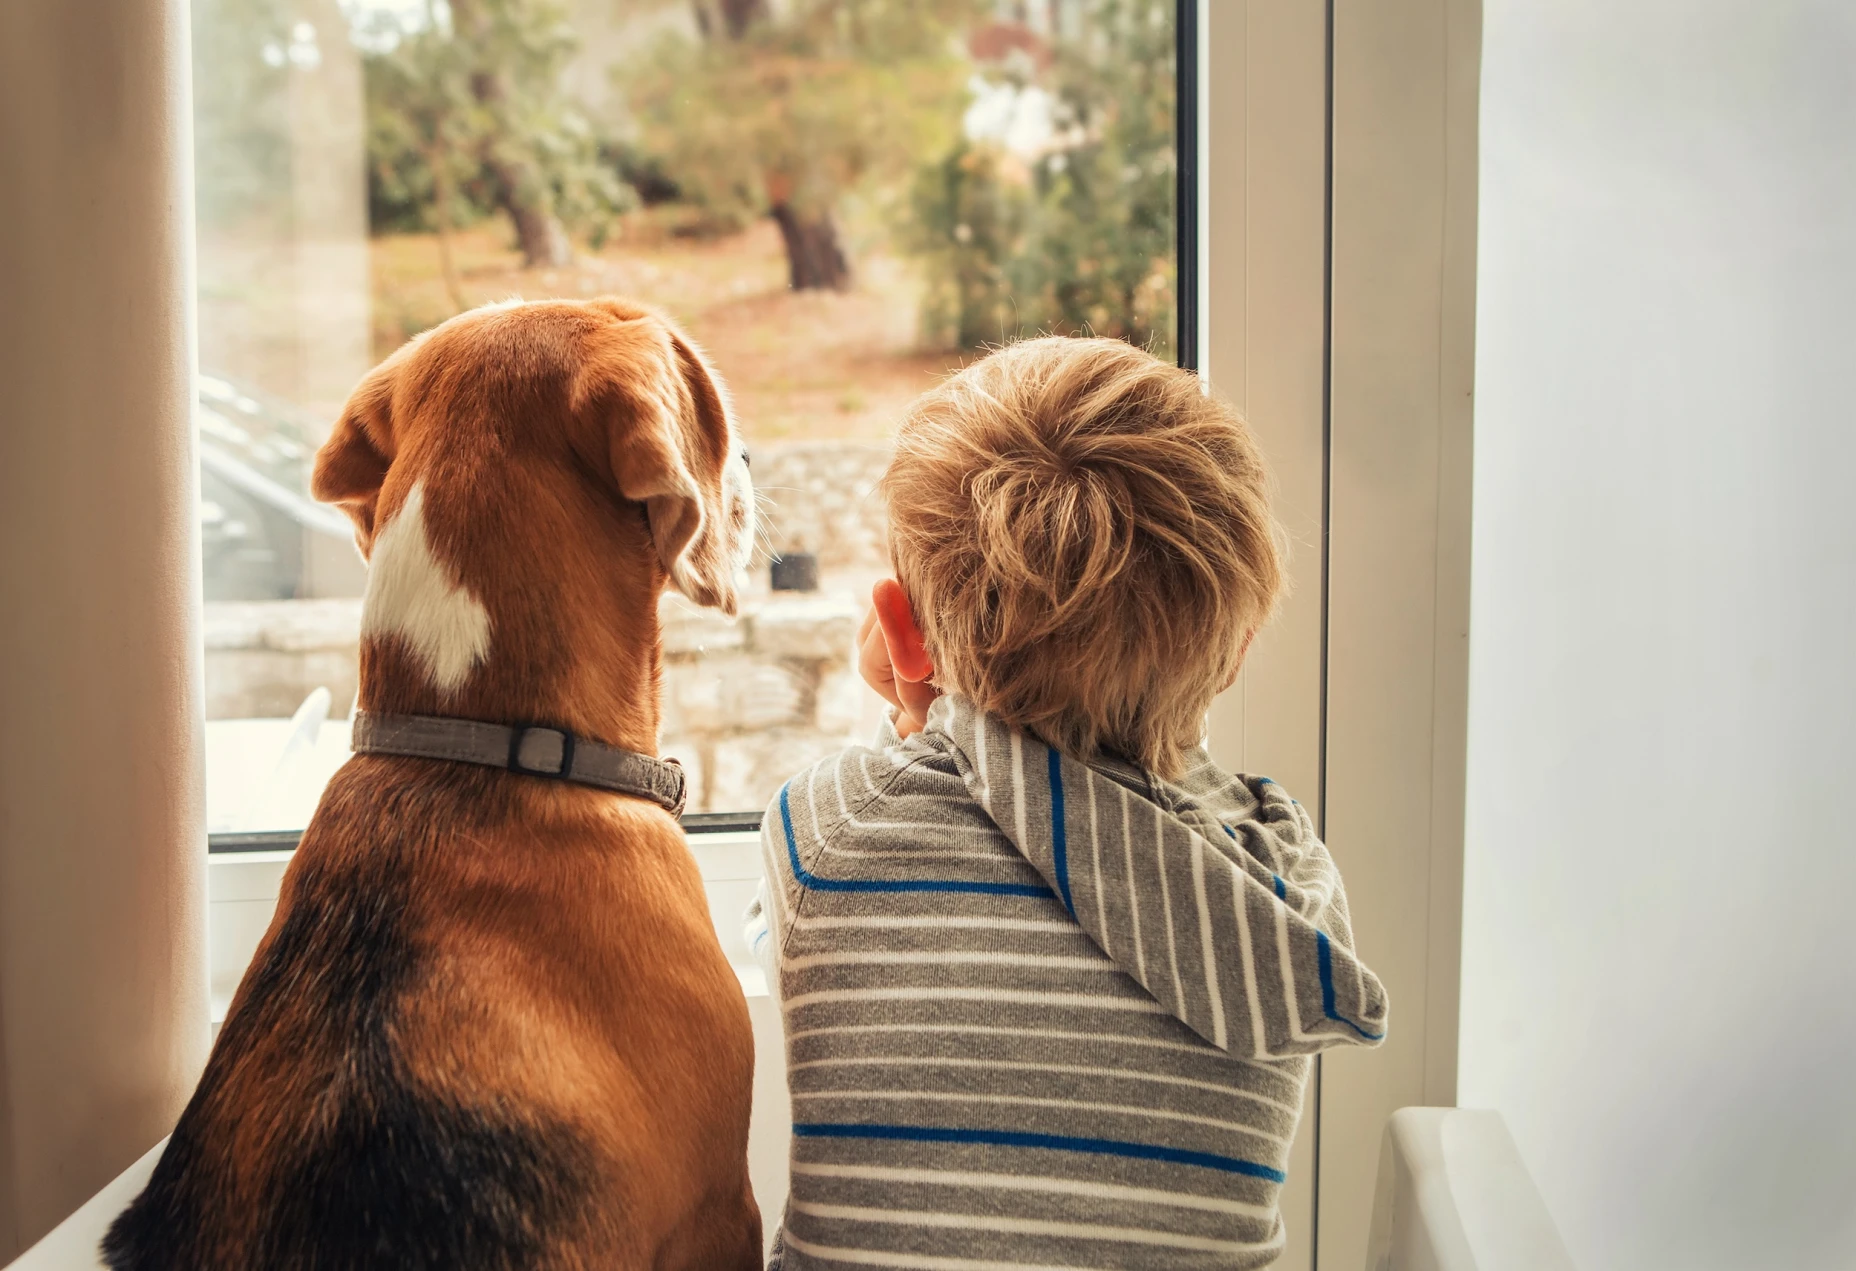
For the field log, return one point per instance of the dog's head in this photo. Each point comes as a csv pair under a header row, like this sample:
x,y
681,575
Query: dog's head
x,y
497,464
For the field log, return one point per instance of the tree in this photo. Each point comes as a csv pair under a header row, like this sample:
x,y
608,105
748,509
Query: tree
x,y
469,102
423,122
1080,236
786,115
518,48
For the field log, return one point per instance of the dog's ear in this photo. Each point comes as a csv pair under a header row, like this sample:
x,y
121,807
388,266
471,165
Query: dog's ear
x,y
352,463
670,440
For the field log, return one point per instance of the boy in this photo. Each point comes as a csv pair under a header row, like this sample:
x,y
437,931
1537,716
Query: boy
x,y
1050,977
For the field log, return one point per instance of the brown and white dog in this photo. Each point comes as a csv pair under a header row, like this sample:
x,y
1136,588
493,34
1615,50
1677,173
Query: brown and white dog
x,y
490,1026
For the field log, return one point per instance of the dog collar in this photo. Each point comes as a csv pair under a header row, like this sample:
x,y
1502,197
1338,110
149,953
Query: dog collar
x,y
535,751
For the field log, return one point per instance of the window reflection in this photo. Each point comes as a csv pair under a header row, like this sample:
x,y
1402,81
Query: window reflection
x,y
842,199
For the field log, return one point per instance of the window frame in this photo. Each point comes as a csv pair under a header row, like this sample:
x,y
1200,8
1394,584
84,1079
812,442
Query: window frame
x,y
1187,255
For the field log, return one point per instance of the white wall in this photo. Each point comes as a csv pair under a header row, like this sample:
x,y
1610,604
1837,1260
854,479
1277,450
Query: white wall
x,y
1659,986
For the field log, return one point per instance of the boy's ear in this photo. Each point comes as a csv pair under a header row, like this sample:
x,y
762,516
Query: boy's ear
x,y
352,464
908,655
1237,668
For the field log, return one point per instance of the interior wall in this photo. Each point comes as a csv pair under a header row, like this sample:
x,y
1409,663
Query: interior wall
x,y
1658,979
103,1024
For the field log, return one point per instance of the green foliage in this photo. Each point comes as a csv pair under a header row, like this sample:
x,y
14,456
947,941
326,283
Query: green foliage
x,y
833,96
972,212
816,106
465,112
423,127
1080,238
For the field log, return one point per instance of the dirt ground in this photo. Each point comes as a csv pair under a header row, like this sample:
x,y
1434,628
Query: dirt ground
x,y
801,365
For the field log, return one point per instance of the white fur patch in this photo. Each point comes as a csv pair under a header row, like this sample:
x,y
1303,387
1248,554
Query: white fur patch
x,y
412,595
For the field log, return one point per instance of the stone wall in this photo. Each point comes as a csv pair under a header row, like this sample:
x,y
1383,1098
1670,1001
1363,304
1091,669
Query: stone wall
x,y
820,497
747,700
263,657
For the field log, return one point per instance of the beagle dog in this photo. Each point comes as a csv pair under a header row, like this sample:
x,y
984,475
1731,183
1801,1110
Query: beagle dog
x,y
490,1026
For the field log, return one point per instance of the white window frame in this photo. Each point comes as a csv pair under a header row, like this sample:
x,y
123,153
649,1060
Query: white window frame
x,y
1338,235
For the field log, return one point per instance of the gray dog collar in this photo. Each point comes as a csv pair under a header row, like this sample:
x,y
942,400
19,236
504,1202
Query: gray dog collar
x,y
535,751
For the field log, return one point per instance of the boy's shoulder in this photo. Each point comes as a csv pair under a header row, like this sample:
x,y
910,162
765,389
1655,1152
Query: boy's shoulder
x,y
890,792
907,779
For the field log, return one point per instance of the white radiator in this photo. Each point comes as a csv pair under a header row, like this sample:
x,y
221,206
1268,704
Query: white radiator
x,y
1454,1195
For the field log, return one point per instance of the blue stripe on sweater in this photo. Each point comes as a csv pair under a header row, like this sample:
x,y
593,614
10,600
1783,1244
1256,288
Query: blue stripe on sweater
x,y
1051,1142
815,883
1060,847
1325,958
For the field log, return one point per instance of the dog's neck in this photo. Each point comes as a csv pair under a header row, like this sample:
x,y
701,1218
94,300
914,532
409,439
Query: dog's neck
x,y
568,637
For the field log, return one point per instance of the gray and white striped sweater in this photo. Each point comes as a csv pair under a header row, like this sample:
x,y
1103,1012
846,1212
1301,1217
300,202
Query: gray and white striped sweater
x,y
1041,1013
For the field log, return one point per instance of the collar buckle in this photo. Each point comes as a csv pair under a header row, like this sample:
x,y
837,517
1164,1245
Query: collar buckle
x,y
539,751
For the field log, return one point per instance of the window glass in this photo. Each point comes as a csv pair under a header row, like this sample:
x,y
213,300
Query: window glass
x,y
841,199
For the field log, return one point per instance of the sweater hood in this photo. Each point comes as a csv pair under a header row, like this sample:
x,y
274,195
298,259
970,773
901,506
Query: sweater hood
x,y
1212,892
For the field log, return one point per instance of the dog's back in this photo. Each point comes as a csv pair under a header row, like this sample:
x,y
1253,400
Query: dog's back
x,y
491,1026
395,1088
357,1160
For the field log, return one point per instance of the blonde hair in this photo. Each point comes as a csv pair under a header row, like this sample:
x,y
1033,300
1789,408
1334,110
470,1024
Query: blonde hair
x,y
1086,540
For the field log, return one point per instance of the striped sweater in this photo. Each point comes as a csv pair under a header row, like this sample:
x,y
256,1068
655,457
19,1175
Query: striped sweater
x,y
1041,1013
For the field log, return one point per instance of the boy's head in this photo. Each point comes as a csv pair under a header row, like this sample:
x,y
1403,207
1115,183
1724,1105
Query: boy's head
x,y
1086,541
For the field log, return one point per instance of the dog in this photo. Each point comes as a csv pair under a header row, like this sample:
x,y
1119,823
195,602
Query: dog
x,y
490,1026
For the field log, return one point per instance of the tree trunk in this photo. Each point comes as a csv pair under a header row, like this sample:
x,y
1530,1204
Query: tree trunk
x,y
523,194
521,187
739,15
814,258
736,16
441,215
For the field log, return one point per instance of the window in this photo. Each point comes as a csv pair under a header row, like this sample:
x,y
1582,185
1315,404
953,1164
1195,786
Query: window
x,y
841,199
